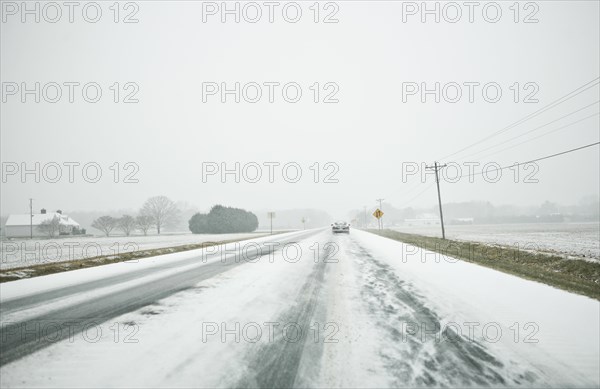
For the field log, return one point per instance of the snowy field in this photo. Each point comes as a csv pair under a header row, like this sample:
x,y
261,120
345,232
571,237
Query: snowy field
x,y
371,316
581,240
20,253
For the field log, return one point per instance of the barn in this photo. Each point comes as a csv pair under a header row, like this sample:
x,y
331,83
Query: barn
x,y
25,225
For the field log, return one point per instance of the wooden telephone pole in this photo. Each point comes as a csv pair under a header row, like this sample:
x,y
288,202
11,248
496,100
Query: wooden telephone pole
x,y
437,167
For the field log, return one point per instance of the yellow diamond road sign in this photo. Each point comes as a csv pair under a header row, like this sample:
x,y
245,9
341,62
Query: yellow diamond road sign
x,y
378,213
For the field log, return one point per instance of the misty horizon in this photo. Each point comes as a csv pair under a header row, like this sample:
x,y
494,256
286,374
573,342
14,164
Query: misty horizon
x,y
374,121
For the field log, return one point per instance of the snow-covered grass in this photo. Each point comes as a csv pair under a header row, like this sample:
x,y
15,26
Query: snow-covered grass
x,y
575,275
25,252
580,240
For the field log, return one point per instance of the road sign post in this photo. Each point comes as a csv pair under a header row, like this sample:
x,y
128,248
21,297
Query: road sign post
x,y
379,220
271,215
378,215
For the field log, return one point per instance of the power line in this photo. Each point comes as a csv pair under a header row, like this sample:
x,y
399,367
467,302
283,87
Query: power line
x,y
411,189
508,148
541,135
404,203
418,194
553,104
502,168
533,160
537,128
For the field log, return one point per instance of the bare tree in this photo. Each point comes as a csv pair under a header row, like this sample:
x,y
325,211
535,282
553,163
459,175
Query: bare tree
x,y
105,224
162,210
144,223
50,226
126,224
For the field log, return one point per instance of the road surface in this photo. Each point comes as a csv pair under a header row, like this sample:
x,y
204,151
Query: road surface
x,y
302,309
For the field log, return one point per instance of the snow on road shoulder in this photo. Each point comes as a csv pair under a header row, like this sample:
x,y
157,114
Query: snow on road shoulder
x,y
26,287
566,326
27,252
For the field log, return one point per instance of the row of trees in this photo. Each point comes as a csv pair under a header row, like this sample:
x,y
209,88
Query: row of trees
x,y
159,211
125,223
156,212
221,220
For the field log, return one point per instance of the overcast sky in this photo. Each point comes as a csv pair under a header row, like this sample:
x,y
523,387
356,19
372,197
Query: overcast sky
x,y
367,56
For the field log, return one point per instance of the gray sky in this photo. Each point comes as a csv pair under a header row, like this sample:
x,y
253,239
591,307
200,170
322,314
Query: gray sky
x,y
368,134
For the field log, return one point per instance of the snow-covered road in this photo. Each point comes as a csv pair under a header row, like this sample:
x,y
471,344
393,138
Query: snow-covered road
x,y
302,309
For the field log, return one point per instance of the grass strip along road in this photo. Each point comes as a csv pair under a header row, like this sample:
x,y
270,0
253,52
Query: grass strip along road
x,y
574,275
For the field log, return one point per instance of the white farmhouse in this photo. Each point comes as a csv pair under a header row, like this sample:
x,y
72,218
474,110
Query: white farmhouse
x,y
21,226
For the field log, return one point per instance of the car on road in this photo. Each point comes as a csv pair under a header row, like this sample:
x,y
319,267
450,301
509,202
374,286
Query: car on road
x,y
340,227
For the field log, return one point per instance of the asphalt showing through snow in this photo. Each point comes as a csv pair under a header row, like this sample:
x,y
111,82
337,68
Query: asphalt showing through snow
x,y
18,339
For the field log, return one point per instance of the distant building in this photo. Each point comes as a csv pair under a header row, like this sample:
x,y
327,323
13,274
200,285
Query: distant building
x,y
426,219
21,226
462,220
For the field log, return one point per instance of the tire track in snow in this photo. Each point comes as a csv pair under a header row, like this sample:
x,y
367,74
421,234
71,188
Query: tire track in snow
x,y
277,363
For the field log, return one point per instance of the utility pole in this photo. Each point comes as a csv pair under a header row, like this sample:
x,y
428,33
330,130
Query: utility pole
x,y
30,218
365,207
437,167
380,220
